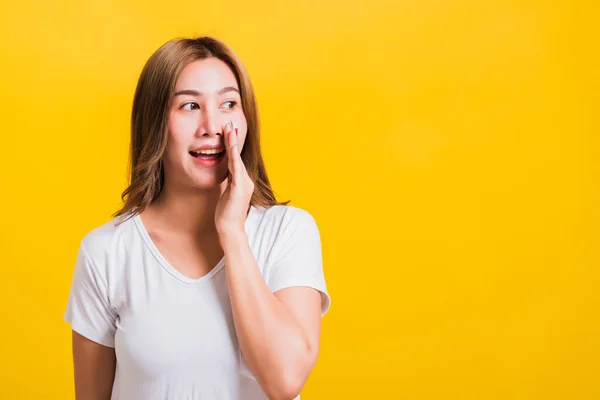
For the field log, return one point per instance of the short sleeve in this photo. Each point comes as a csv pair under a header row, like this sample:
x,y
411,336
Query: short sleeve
x,y
298,256
88,310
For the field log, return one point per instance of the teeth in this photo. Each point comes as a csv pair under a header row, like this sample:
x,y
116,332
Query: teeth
x,y
209,151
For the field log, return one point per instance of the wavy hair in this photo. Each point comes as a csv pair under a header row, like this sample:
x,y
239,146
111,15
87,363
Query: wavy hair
x,y
149,120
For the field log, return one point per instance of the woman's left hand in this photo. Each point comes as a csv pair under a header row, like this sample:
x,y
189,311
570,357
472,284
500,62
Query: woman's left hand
x,y
232,208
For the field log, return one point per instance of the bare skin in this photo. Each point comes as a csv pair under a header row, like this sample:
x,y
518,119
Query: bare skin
x,y
94,366
199,219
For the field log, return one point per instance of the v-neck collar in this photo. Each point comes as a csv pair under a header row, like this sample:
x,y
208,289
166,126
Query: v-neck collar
x,y
167,266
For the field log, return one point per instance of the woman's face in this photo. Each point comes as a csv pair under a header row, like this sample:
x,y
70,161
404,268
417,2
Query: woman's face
x,y
206,98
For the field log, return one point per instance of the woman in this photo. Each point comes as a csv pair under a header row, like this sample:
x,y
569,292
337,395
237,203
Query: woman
x,y
203,286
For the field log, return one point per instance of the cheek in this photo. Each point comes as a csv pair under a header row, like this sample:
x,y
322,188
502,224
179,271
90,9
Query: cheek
x,y
242,129
180,127
177,137
242,137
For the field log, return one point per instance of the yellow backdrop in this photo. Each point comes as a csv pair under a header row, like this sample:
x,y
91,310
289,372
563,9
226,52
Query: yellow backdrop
x,y
447,149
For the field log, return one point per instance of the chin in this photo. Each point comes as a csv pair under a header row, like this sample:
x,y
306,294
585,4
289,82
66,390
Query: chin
x,y
208,181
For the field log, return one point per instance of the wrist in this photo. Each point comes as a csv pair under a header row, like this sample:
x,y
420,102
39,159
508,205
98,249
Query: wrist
x,y
232,237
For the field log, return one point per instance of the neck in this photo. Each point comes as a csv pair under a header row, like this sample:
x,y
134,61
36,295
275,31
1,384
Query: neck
x,y
188,211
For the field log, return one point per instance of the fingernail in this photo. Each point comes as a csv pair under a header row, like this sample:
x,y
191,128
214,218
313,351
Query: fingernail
x,y
236,131
230,123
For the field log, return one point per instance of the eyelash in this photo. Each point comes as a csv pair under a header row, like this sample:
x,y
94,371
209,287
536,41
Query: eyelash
x,y
234,103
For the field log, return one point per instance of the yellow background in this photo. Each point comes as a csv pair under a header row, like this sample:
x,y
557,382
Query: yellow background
x,y
447,149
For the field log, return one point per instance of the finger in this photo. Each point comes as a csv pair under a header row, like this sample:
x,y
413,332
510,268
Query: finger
x,y
234,162
237,154
231,150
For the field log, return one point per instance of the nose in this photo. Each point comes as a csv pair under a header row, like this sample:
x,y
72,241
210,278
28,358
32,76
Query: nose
x,y
210,123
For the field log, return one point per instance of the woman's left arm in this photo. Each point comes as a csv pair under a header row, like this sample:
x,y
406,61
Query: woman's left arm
x,y
278,333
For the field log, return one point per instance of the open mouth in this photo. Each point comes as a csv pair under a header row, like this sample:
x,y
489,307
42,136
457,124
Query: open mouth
x,y
208,154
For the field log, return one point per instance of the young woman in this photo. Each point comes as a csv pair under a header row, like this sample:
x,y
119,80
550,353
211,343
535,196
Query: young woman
x,y
202,286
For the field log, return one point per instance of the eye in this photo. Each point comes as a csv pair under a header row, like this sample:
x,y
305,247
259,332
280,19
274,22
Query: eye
x,y
192,105
231,103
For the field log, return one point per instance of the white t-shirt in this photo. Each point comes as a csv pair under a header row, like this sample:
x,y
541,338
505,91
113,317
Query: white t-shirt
x,y
174,336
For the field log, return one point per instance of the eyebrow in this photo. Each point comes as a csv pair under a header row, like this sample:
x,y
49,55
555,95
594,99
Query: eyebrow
x,y
197,93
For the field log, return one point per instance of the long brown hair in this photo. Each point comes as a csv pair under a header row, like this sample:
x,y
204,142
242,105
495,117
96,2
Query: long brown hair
x,y
151,103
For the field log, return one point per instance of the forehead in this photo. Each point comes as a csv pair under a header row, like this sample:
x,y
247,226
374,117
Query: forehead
x,y
207,75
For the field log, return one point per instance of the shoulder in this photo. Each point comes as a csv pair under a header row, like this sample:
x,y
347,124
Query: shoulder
x,y
286,215
287,220
99,242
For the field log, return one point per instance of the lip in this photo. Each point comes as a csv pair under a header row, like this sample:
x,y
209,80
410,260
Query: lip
x,y
209,147
207,162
